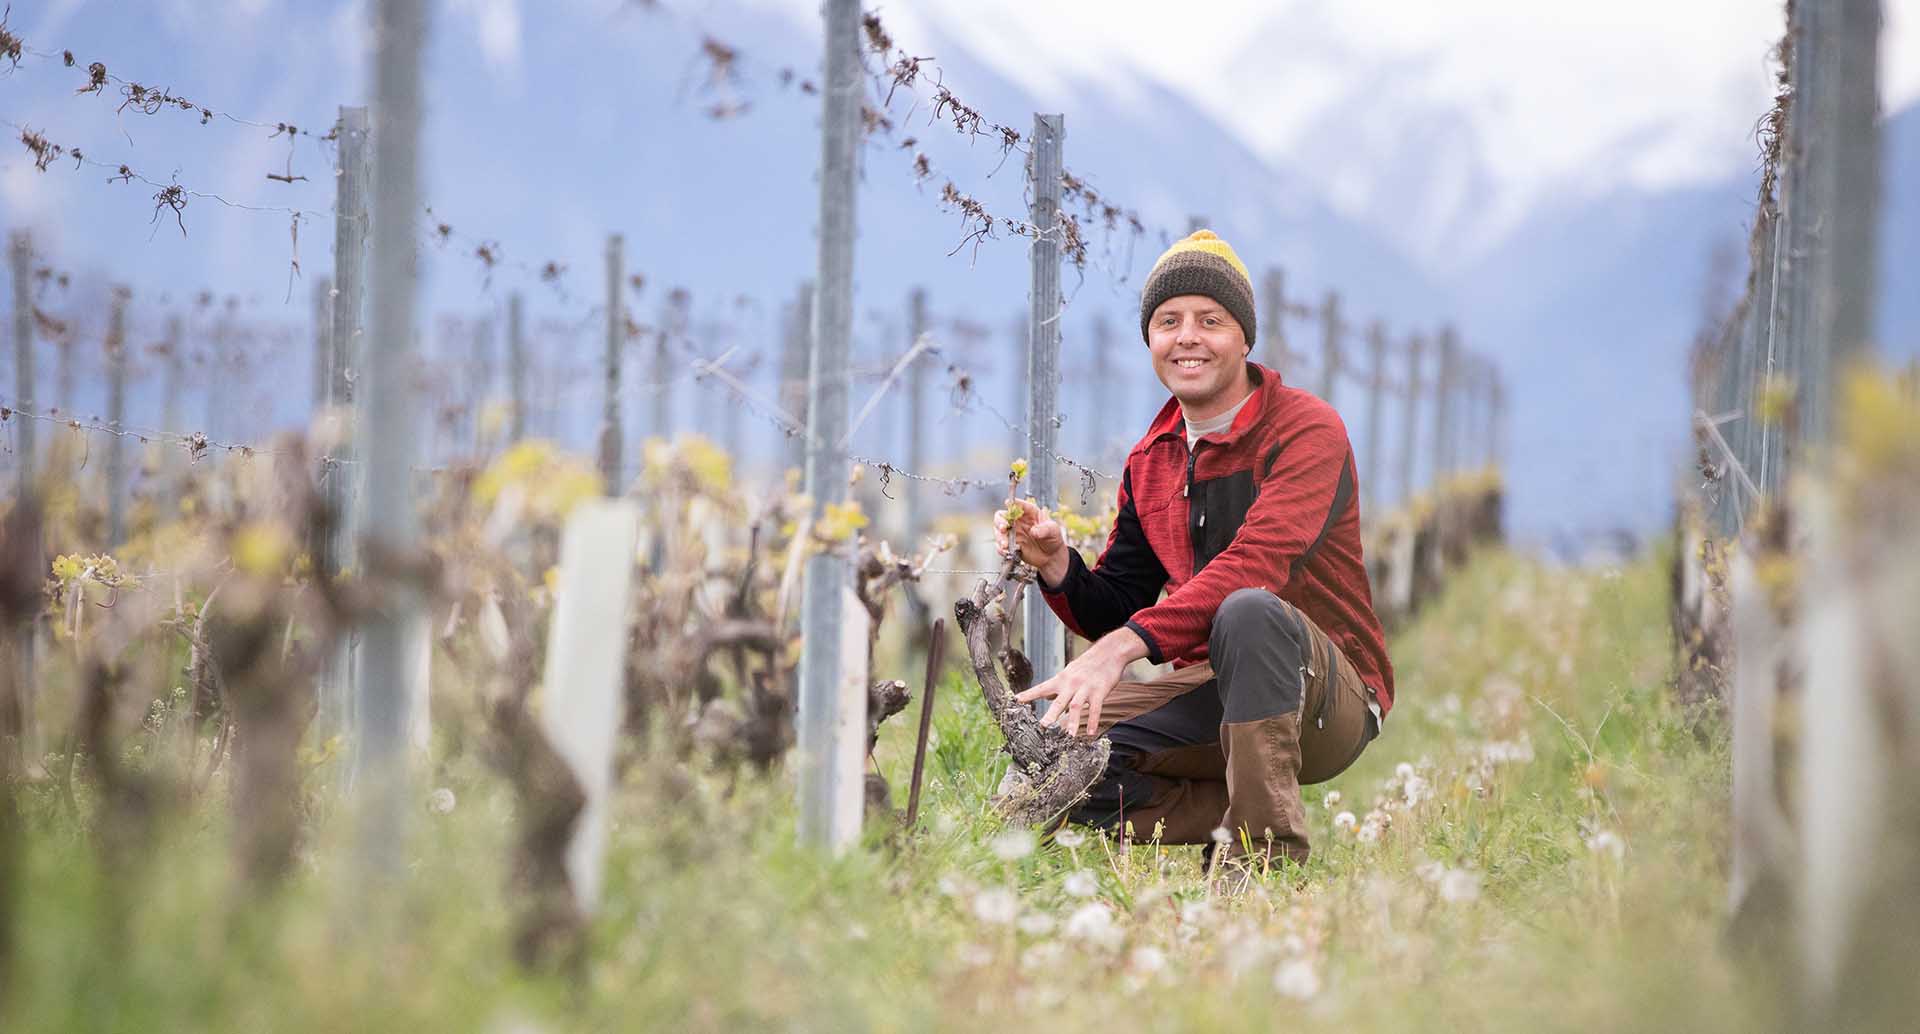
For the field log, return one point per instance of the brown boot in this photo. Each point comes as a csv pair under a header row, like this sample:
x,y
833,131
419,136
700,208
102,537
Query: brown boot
x,y
1263,789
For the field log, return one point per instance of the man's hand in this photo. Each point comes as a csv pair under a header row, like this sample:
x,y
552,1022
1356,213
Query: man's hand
x,y
1042,542
1082,686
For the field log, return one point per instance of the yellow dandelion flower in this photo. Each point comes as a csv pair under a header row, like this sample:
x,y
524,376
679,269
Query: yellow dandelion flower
x,y
260,548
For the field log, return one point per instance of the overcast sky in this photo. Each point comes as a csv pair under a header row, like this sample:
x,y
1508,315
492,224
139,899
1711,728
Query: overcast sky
x,y
1549,85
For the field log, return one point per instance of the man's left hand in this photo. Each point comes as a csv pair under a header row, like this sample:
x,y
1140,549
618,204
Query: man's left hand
x,y
1082,686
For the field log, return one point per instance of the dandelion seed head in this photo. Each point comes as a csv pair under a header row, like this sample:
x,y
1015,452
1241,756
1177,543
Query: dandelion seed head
x,y
996,905
1221,836
1043,955
1416,790
1196,913
1459,885
1080,884
1093,924
1606,841
1013,845
1070,838
1036,924
1297,979
1345,820
441,801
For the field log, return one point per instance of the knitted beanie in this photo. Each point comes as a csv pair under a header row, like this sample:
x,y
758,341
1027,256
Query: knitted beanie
x,y
1200,263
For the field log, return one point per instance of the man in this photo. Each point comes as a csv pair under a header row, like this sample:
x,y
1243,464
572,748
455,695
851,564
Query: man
x,y
1241,504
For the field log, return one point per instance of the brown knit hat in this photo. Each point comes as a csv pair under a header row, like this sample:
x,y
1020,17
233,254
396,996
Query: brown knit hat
x,y
1200,263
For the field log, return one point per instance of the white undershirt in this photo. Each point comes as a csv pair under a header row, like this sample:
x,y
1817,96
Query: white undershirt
x,y
1198,428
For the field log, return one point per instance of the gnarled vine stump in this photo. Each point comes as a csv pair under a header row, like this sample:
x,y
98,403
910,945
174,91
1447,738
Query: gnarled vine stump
x,y
1054,768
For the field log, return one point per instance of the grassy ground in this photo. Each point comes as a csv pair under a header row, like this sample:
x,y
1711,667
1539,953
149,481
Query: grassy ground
x,y
1537,843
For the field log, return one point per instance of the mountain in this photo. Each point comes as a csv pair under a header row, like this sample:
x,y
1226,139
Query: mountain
x,y
1592,304
590,117
599,124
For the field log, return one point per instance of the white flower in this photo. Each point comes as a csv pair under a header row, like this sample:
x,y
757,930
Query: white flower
x,y
1037,924
1607,841
1069,838
1459,885
1416,790
1043,955
440,801
1196,913
1375,825
1221,836
1332,798
996,905
1080,883
1296,978
1430,871
1093,923
1013,845
1345,820
1403,771
1147,959
951,886
1503,752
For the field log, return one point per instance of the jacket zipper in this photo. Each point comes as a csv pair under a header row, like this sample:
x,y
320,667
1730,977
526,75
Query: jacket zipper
x,y
1195,521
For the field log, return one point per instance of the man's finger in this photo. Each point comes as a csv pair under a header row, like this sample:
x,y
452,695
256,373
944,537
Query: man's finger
x,y
1062,703
1044,689
1054,711
1075,705
1062,713
1093,715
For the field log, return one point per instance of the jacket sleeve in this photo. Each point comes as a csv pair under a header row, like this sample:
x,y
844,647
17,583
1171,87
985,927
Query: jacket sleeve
x,y
1127,577
1308,484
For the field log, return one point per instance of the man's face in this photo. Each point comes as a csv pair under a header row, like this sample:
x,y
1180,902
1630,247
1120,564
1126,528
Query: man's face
x,y
1199,353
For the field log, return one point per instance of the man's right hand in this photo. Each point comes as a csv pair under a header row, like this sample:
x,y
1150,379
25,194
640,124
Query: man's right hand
x,y
1042,542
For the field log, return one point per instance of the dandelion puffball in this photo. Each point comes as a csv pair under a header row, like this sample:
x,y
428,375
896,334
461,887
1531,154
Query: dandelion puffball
x,y
1459,885
1013,845
996,905
1296,978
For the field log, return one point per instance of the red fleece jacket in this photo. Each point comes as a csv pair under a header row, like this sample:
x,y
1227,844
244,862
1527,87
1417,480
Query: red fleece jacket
x,y
1271,502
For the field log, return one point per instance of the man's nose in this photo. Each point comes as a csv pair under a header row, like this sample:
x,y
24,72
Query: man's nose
x,y
1187,333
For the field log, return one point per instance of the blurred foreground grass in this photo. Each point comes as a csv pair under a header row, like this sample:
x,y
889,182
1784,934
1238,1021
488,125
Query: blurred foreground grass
x,y
1536,842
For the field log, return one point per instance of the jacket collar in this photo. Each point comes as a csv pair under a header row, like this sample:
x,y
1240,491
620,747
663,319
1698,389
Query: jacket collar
x,y
1266,390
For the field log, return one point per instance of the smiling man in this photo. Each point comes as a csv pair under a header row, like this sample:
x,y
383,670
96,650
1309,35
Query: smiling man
x,y
1240,503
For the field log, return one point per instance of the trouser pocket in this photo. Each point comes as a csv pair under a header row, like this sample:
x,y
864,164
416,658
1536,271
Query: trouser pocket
x,y
1338,725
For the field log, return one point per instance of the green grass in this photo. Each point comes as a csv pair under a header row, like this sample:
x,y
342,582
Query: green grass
x,y
713,919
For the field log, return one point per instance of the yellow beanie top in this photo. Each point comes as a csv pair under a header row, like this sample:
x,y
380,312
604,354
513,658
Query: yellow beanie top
x,y
1209,242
